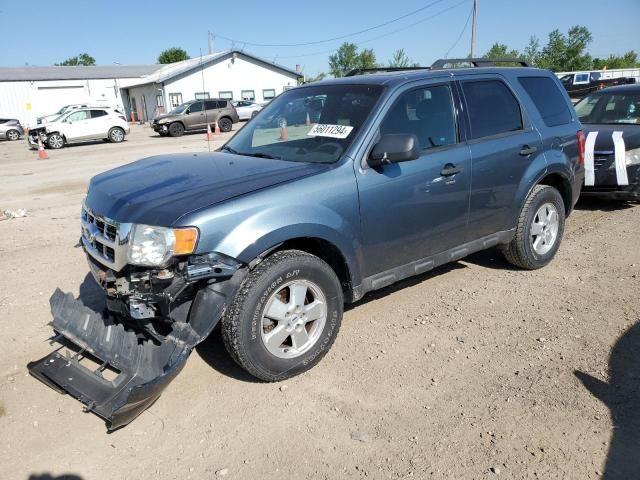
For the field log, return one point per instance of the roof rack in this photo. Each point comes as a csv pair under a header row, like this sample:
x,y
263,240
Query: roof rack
x,y
362,71
476,62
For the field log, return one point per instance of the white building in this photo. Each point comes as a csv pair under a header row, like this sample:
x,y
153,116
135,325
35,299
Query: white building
x,y
141,91
232,75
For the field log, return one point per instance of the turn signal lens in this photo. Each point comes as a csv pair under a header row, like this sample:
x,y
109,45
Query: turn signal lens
x,y
186,239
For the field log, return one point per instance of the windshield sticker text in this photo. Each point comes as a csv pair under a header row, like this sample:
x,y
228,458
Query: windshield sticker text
x,y
332,131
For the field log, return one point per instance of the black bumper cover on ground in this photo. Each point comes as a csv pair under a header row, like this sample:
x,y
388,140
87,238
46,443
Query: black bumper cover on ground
x,y
145,368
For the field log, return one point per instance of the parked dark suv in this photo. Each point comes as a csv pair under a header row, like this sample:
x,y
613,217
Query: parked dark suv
x,y
196,115
271,235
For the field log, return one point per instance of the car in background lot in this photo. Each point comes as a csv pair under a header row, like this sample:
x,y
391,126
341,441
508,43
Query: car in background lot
x,y
579,84
81,125
246,109
63,110
272,234
10,129
612,122
196,115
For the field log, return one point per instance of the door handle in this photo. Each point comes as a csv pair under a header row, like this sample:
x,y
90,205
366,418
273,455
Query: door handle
x,y
527,150
450,169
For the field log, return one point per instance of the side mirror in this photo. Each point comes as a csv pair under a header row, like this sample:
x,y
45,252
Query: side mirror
x,y
394,148
187,112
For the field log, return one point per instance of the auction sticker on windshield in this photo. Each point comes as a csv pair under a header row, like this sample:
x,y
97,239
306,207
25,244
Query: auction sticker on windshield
x,y
328,130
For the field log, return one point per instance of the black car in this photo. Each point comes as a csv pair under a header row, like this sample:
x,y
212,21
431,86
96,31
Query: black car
x,y
612,151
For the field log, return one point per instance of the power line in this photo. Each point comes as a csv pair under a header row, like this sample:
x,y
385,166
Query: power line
x,y
466,24
429,5
384,35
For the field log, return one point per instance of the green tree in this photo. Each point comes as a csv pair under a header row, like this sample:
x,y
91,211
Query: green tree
x,y
317,78
500,50
400,59
531,52
174,54
81,59
567,52
348,58
628,60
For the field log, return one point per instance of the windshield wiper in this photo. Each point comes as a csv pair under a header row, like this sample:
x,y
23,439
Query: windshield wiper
x,y
257,155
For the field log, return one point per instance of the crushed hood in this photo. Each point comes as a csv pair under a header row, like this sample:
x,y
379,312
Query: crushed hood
x,y
159,190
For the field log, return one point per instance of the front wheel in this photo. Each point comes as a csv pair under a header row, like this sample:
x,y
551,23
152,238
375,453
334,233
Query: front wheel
x,y
285,316
176,129
539,230
55,141
225,124
116,135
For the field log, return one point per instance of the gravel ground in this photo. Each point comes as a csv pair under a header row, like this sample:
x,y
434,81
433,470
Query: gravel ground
x,y
473,371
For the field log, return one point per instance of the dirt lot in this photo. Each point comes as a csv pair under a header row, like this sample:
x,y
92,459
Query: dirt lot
x,y
468,372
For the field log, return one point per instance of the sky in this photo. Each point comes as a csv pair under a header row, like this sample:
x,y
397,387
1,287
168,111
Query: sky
x,y
136,31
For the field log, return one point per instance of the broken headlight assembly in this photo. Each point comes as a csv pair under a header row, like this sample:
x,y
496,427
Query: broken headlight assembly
x,y
153,246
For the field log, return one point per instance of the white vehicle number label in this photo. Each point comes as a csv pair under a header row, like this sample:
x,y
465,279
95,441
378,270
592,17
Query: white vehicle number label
x,y
327,130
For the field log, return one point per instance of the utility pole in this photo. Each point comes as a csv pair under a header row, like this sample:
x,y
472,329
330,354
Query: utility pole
x,y
474,26
209,37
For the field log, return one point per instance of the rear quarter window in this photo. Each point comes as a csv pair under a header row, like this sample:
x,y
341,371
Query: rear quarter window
x,y
492,108
547,98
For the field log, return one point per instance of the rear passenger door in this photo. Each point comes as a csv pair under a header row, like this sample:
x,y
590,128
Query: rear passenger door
x,y
503,144
213,110
98,124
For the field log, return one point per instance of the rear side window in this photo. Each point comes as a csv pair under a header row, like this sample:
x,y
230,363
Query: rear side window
x,y
492,108
547,99
98,113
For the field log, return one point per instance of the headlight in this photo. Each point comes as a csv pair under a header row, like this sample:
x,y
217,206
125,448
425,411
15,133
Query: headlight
x,y
632,157
162,120
154,246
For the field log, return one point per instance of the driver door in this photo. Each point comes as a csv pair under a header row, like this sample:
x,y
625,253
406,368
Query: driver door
x,y
194,119
415,209
76,125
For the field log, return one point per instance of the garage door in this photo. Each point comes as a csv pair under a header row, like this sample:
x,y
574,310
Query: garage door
x,y
51,99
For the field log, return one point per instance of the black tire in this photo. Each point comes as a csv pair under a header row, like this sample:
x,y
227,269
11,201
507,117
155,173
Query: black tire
x,y
176,129
55,141
242,323
225,124
520,251
12,135
116,135
163,134
254,113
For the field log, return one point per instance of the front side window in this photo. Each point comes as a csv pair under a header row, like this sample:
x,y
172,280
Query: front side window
x,y
427,113
195,107
78,116
492,108
309,124
548,100
610,108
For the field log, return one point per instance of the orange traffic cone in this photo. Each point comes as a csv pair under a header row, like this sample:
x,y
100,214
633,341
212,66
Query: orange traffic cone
x,y
217,129
42,154
209,133
283,134
308,122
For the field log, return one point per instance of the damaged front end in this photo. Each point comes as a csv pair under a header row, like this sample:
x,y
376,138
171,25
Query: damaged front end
x,y
118,359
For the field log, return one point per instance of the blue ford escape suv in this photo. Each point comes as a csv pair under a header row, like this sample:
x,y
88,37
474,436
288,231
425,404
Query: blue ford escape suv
x,y
380,177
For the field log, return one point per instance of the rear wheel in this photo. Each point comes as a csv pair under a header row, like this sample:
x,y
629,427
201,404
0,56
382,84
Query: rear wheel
x,y
176,129
116,135
285,316
225,124
55,141
539,230
13,135
254,113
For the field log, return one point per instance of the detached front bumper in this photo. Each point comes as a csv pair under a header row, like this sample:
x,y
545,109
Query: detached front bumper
x,y
161,128
606,182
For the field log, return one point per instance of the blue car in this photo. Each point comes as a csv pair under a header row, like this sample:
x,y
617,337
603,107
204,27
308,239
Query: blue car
x,y
393,174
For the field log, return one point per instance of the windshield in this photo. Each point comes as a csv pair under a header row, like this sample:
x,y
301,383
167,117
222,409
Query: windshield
x,y
180,108
610,108
310,124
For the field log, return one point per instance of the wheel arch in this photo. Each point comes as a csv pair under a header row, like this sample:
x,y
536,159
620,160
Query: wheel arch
x,y
562,184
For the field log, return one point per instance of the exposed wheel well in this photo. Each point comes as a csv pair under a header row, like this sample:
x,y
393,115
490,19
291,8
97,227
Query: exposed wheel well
x,y
328,252
563,186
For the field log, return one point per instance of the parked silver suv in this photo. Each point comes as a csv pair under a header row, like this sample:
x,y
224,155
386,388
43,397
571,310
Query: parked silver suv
x,y
196,115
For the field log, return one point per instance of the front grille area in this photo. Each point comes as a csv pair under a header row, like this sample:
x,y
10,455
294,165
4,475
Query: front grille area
x,y
104,239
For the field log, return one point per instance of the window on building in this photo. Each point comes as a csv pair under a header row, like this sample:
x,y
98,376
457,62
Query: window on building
x,y
175,99
269,93
227,95
202,95
548,100
492,108
248,95
426,113
159,100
